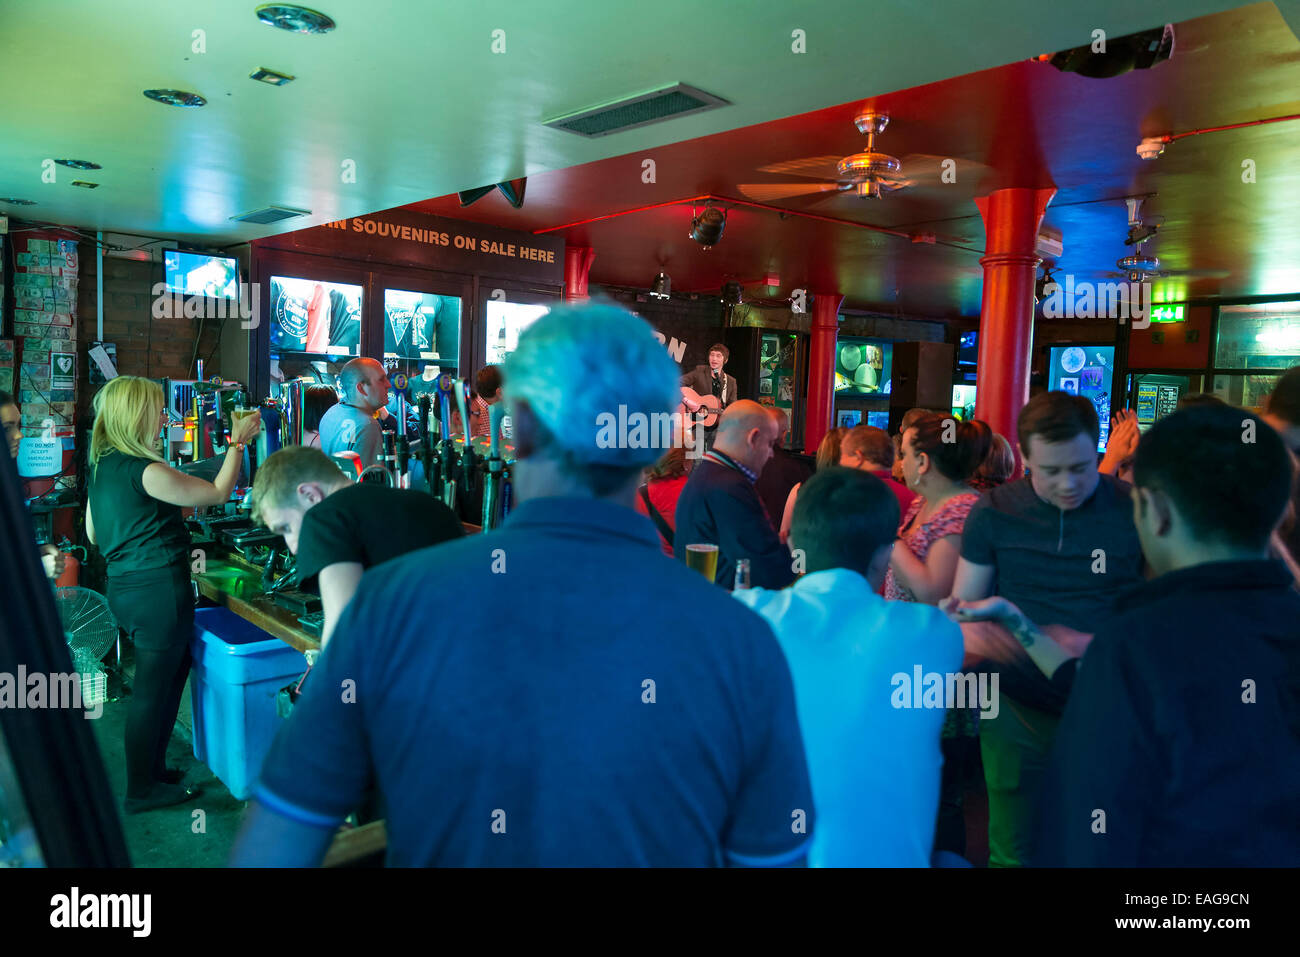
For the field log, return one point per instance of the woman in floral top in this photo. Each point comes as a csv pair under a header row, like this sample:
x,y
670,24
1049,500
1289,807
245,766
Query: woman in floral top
x,y
924,563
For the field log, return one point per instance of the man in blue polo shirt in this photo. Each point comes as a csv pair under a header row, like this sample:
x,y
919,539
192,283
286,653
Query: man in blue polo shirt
x,y
534,695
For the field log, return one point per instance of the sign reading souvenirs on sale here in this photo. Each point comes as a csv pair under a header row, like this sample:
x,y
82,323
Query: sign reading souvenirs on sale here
x,y
403,236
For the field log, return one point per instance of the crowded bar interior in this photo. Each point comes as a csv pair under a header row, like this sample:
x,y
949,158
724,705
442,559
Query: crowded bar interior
x,y
557,435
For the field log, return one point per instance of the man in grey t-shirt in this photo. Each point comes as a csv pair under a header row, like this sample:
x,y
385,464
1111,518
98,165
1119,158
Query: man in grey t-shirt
x,y
350,426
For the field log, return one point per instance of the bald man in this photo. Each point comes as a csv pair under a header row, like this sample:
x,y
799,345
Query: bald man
x,y
720,506
350,426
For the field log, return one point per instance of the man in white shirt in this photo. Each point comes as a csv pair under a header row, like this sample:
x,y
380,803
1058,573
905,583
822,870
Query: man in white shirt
x,y
871,738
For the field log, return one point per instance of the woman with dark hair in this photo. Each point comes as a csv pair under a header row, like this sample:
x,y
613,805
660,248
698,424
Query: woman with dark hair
x,y
657,498
316,401
998,466
939,455
828,454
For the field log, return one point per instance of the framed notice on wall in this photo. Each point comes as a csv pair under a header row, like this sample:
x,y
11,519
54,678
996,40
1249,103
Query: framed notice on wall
x,y
63,370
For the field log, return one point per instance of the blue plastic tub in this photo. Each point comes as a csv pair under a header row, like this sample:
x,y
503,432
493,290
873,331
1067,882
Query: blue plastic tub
x,y
238,669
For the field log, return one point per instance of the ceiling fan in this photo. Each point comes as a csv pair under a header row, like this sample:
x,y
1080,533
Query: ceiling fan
x,y
1140,266
868,175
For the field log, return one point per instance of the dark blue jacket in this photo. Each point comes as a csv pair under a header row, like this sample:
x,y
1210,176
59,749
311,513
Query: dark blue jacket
x,y
719,506
1182,733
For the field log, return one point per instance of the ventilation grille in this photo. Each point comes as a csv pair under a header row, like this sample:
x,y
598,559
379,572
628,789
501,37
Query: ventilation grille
x,y
271,214
642,110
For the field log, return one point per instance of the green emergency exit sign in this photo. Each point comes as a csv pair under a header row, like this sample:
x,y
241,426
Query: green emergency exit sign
x,y
1166,313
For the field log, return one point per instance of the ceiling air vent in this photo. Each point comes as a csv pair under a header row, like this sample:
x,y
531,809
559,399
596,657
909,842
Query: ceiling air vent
x,y
640,110
271,214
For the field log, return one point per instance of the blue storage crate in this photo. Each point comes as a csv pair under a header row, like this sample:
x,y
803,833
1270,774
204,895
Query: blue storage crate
x,y
238,669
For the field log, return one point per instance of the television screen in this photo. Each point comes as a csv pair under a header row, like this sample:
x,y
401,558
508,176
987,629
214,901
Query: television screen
x,y
968,349
193,274
1157,397
863,366
879,419
421,325
963,402
322,318
1085,370
505,320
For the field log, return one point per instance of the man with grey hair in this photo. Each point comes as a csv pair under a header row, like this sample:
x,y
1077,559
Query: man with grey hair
x,y
350,425
530,732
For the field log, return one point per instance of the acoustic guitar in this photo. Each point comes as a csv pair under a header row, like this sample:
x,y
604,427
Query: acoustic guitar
x,y
704,409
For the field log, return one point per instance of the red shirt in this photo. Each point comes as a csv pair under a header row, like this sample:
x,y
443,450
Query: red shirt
x,y
663,496
904,494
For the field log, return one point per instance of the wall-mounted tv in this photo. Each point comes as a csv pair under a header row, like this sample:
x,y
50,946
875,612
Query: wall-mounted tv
x,y
963,402
505,321
194,274
322,318
863,366
1085,370
968,349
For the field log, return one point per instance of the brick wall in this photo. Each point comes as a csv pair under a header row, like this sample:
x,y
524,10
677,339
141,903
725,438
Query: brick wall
x,y
146,346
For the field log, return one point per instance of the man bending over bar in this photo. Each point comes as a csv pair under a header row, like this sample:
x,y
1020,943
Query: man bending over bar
x,y
339,529
1180,746
556,707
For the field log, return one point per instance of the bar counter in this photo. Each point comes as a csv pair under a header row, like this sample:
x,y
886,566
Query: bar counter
x,y
236,584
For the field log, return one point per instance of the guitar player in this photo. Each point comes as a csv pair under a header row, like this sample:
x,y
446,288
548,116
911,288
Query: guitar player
x,y
709,381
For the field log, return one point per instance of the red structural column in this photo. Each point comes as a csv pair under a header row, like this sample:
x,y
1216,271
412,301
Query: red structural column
x,y
577,264
821,368
1011,221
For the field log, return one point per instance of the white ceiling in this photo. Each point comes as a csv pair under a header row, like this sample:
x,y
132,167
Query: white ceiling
x,y
413,94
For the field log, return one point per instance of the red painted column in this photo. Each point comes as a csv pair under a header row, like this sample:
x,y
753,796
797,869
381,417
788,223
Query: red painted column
x,y
577,264
821,368
1011,221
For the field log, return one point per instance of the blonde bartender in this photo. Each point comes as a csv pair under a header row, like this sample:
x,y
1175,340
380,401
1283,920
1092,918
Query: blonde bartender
x,y
134,517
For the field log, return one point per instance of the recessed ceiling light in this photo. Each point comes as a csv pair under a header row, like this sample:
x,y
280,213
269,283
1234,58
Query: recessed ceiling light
x,y
270,76
17,202
176,97
79,164
84,185
295,19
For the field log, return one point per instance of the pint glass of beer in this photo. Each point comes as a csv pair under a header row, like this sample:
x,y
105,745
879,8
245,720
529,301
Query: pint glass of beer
x,y
238,415
704,559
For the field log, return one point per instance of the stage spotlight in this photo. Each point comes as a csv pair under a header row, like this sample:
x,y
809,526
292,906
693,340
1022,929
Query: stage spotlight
x,y
706,228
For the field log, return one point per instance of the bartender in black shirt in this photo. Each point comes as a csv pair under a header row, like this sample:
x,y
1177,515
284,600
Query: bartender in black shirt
x,y
338,530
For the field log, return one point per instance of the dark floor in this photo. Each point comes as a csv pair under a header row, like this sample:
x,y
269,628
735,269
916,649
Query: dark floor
x,y
175,836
